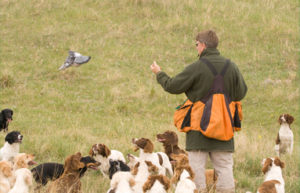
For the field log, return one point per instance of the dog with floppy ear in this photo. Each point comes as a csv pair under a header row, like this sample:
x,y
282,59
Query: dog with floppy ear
x,y
102,154
11,146
273,182
69,182
5,119
285,136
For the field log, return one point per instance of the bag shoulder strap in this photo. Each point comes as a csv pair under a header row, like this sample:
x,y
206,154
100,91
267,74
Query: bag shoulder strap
x,y
213,69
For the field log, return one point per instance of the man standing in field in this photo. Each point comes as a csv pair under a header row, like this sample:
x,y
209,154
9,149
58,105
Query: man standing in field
x,y
195,81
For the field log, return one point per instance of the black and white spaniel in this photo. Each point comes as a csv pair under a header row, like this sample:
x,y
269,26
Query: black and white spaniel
x,y
11,146
285,136
5,119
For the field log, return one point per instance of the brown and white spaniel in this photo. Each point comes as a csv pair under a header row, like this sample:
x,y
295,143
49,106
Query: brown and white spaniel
x,y
160,159
156,184
273,182
285,136
183,175
101,153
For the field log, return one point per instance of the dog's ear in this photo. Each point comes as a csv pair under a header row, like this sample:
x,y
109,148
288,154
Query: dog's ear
x,y
106,150
148,147
278,162
172,136
289,119
267,163
21,163
7,171
91,152
279,119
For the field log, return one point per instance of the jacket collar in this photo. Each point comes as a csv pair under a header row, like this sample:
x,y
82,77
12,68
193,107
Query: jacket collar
x,y
210,51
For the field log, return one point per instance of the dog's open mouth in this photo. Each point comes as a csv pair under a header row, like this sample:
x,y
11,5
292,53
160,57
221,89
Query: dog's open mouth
x,y
161,139
19,141
93,166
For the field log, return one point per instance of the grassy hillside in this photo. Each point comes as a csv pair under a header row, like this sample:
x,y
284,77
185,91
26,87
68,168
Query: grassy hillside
x,y
115,96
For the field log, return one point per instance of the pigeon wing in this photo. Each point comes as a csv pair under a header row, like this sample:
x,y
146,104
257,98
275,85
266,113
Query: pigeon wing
x,y
69,61
82,59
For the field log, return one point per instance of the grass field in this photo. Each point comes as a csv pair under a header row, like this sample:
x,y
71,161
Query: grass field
x,y
115,96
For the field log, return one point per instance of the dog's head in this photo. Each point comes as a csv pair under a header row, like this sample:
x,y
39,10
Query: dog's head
x,y
90,162
144,144
6,169
179,159
24,160
14,137
115,166
26,175
99,149
268,163
7,115
286,118
73,163
168,138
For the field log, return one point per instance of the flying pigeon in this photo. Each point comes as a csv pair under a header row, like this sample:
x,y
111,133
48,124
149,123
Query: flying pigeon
x,y
74,59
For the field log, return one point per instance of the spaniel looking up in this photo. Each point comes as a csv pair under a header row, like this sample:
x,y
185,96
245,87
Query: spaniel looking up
x,y
169,139
11,146
285,136
5,119
156,184
273,182
70,179
159,159
23,181
5,176
141,171
103,154
183,174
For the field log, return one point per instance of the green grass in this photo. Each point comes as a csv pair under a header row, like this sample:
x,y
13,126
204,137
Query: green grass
x,y
115,96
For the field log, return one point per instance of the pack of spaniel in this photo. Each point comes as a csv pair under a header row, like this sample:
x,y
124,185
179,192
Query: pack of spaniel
x,y
273,181
183,175
122,182
69,182
102,154
285,136
169,139
51,171
6,116
6,176
11,146
23,181
141,171
156,184
160,159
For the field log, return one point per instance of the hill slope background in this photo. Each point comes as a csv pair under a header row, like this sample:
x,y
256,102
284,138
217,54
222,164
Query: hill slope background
x,y
115,96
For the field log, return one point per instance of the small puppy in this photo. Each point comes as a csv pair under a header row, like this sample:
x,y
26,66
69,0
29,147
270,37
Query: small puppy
x,y
51,171
5,119
116,166
5,176
160,159
273,182
11,146
285,136
103,154
23,160
156,184
169,139
69,182
23,181
183,174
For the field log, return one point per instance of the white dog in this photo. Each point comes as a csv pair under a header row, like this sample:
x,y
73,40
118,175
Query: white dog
x,y
11,146
121,182
23,181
